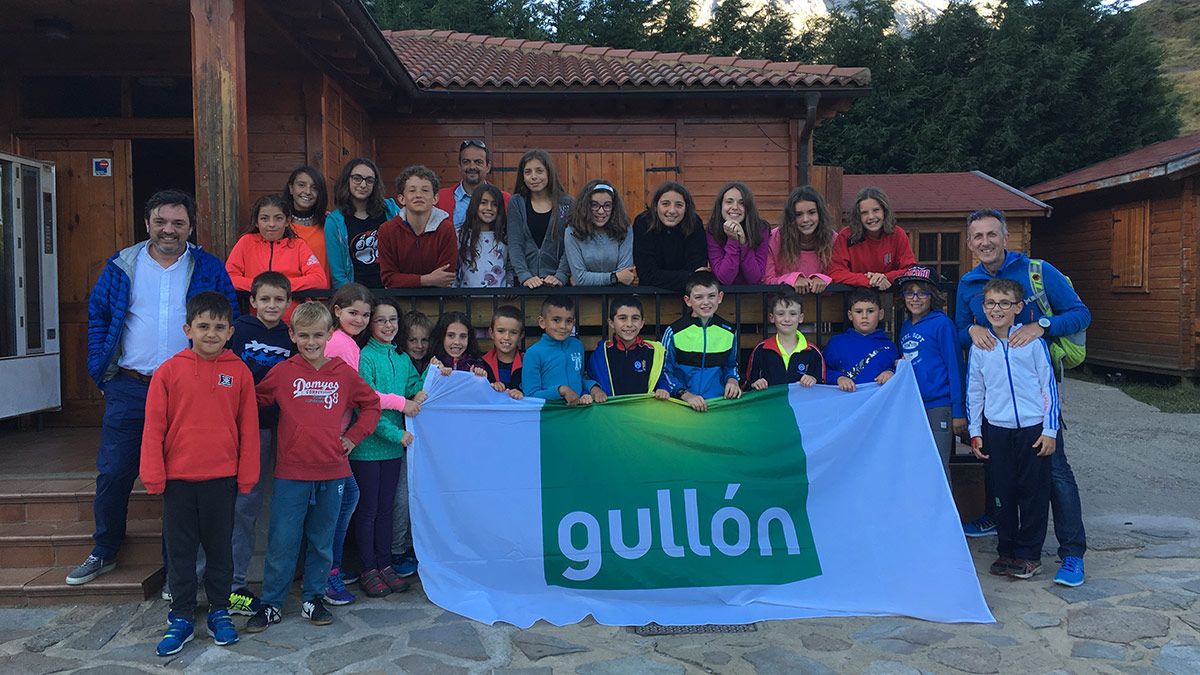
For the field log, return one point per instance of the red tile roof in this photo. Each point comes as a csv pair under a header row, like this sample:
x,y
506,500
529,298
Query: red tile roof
x,y
951,193
441,60
1158,159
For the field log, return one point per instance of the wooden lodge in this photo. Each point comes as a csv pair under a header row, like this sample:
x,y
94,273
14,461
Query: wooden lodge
x,y
1125,230
933,208
226,97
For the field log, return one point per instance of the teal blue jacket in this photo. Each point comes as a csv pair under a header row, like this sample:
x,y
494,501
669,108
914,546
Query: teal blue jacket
x,y
337,243
387,371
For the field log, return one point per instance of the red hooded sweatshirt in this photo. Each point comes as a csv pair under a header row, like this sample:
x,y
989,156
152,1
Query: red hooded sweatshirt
x,y
312,405
290,256
201,422
404,255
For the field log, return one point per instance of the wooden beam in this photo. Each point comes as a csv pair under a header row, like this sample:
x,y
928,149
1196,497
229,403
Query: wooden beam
x,y
219,105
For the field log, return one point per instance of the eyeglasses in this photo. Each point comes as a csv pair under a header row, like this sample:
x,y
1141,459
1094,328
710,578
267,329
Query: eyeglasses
x,y
918,294
472,142
1002,304
597,206
365,180
383,321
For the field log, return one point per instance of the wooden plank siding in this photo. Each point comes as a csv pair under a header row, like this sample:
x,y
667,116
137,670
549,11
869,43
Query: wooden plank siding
x,y
1090,238
709,153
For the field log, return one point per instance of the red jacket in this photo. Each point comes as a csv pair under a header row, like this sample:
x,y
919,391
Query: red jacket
x,y
445,198
404,256
312,405
890,254
201,422
252,255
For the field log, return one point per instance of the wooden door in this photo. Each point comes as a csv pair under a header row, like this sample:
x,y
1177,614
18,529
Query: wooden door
x,y
634,174
94,221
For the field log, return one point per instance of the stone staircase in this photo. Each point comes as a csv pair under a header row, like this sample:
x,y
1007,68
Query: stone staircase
x,y
46,530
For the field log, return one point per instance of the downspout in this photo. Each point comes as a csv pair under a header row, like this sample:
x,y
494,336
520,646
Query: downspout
x,y
811,99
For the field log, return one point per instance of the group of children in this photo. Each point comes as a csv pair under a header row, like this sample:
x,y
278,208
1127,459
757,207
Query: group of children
x,y
324,400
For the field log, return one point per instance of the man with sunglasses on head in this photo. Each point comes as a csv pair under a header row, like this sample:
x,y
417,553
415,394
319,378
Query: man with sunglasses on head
x,y
474,165
987,238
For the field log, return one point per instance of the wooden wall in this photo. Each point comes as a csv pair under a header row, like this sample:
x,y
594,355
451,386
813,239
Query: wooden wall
x,y
1153,328
708,152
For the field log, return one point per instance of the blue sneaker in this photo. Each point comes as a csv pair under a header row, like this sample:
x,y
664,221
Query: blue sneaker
x,y
1071,572
405,566
348,576
980,527
335,590
220,627
179,633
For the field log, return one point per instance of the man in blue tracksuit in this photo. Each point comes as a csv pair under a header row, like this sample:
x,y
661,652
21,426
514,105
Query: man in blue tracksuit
x,y
136,314
987,238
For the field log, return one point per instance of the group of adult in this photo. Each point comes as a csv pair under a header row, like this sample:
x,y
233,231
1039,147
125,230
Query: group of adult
x,y
537,236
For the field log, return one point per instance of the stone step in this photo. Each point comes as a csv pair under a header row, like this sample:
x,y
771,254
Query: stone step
x,y
35,544
36,586
65,500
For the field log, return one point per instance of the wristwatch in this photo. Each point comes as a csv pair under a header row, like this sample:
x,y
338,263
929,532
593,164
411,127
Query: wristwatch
x,y
1044,322
612,278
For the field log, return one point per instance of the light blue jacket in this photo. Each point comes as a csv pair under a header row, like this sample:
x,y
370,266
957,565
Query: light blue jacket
x,y
549,364
1070,314
1013,387
337,243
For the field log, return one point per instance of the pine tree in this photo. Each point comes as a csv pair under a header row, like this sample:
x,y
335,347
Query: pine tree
x,y
729,28
624,24
401,14
469,16
526,19
678,31
567,17
772,35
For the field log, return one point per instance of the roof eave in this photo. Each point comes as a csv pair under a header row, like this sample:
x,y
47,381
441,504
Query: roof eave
x,y
1168,169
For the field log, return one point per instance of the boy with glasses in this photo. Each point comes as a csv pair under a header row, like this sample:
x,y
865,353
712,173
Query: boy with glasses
x,y
1013,387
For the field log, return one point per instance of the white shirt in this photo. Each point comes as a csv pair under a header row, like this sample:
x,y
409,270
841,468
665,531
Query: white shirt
x,y
157,311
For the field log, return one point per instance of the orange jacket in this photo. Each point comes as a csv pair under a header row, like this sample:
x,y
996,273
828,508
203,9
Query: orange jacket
x,y
252,255
201,422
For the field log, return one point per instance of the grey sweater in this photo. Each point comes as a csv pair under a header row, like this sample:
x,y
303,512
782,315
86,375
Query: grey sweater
x,y
593,260
524,255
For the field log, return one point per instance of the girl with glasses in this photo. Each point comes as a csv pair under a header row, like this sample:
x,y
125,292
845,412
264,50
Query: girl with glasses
x,y
599,241
929,340
352,227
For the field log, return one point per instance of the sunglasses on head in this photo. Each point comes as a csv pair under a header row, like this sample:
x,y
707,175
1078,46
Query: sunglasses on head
x,y
472,143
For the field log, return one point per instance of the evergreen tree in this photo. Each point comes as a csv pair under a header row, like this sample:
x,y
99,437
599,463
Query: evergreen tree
x,y
567,17
623,24
678,31
401,14
468,16
772,35
524,19
729,29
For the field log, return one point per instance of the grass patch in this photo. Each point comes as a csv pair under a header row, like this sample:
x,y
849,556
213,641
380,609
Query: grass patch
x,y
1164,393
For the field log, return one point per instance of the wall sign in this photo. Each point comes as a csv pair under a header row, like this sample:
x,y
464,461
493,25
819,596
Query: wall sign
x,y
102,166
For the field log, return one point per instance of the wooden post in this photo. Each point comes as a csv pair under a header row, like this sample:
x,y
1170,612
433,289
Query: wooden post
x,y
219,118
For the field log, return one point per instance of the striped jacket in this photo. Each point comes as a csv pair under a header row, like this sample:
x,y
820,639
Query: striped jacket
x,y
700,358
1013,387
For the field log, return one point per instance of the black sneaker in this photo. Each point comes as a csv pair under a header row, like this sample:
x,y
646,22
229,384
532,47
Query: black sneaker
x,y
314,610
1004,566
264,617
244,603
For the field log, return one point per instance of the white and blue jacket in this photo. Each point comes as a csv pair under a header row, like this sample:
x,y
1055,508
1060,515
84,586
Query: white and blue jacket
x,y
1013,387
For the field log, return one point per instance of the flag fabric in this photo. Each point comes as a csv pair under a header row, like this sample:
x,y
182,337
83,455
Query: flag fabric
x,y
787,503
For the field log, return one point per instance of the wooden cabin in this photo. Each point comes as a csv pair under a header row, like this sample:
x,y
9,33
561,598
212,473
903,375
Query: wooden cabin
x,y
1125,230
226,97
933,208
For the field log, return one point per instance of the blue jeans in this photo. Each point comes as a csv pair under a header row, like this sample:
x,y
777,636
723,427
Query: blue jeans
x,y
117,461
247,508
1064,503
349,503
302,511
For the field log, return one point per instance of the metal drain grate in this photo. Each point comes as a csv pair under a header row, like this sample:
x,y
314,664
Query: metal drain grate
x,y
656,629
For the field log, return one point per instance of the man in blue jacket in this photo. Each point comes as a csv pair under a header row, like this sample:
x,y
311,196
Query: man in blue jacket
x,y
136,314
987,238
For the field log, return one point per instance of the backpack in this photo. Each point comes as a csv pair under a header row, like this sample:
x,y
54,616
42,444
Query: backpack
x,y
1066,351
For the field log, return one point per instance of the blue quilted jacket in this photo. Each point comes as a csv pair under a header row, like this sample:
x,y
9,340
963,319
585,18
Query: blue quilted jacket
x,y
110,300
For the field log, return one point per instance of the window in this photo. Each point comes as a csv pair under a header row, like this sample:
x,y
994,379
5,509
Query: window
x,y
58,96
941,251
1131,246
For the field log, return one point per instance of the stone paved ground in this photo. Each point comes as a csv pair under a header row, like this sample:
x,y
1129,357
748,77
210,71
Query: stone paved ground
x,y
1139,611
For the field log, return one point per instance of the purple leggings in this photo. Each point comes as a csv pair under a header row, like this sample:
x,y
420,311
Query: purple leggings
x,y
373,518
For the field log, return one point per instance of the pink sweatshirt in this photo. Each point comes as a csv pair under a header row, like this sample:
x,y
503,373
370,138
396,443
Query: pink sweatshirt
x,y
344,347
807,266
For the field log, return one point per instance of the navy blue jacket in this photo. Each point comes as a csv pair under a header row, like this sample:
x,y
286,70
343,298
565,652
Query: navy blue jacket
x,y
859,357
766,362
260,348
110,300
